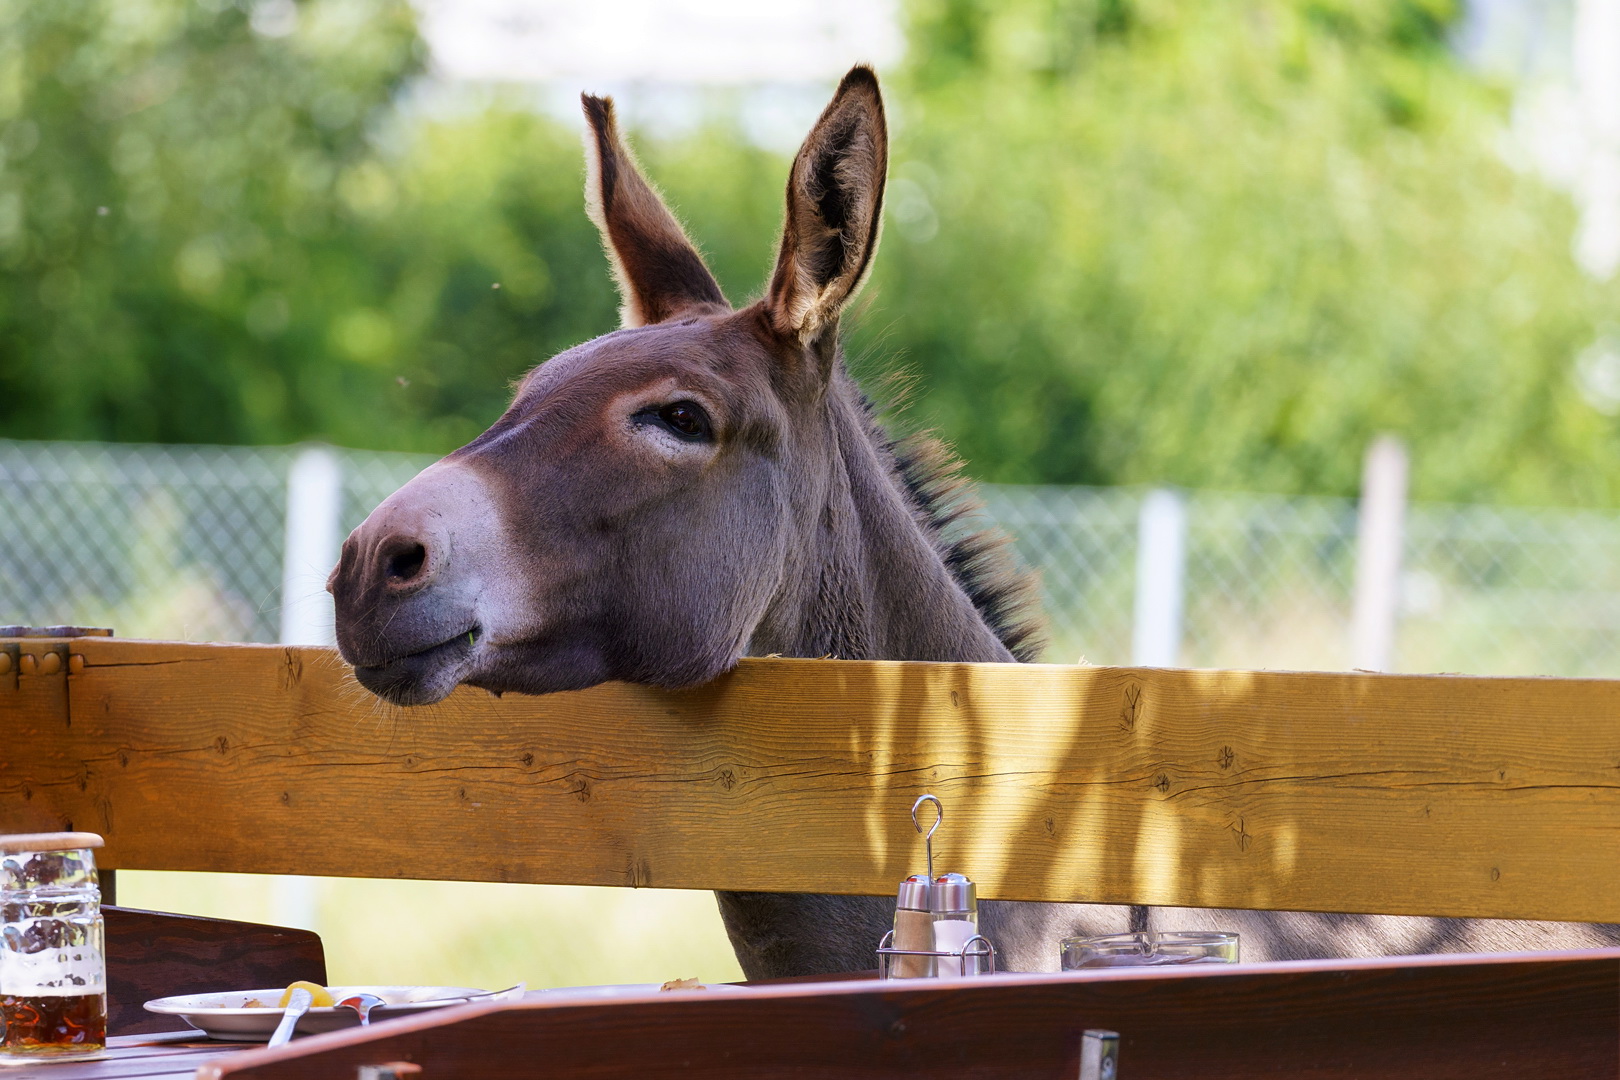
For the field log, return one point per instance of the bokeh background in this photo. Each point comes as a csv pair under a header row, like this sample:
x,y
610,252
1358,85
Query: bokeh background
x,y
1210,246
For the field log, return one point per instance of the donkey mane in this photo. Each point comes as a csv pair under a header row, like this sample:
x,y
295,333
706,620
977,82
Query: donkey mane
x,y
653,505
978,554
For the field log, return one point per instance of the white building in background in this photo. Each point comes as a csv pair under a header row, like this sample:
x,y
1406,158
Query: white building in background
x,y
665,61
712,42
1597,83
1565,57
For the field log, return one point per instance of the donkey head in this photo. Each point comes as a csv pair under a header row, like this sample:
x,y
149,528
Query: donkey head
x,y
635,510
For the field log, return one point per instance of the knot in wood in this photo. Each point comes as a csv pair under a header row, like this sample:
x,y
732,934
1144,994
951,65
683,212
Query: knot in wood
x,y
1241,834
292,668
639,871
1128,707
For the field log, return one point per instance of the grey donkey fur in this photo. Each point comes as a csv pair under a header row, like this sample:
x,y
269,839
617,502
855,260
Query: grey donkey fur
x,y
707,483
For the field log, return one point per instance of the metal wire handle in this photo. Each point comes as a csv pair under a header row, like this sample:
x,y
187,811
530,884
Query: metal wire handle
x,y
928,837
976,948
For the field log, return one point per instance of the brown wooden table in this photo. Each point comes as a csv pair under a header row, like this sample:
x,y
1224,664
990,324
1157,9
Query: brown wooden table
x,y
163,1055
1434,1017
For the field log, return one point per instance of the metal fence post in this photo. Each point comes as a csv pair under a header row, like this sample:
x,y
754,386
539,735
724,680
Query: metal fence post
x,y
1161,574
314,518
1380,534
314,515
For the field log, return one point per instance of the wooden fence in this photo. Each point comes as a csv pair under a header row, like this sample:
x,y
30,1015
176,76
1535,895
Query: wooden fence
x,y
1435,795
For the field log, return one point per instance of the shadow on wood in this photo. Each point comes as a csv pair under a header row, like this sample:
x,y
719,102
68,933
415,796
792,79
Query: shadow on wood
x,y
1377,794
151,954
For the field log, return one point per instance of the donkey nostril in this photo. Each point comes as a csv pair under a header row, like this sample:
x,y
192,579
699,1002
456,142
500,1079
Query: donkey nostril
x,y
404,565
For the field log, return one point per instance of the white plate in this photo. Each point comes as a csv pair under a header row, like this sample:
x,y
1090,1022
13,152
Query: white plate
x,y
226,1016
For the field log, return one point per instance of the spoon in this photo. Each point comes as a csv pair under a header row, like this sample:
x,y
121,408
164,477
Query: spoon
x,y
297,1006
362,1004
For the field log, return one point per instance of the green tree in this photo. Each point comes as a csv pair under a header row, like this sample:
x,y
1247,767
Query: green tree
x,y
1217,244
228,222
169,198
1129,241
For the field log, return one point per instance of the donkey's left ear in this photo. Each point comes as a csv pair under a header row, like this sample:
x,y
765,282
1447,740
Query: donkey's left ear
x,y
658,269
834,206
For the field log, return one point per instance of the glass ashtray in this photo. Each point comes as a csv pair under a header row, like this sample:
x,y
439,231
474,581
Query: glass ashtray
x,y
1150,948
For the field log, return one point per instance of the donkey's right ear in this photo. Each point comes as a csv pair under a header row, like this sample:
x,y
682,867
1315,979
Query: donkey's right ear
x,y
658,269
834,207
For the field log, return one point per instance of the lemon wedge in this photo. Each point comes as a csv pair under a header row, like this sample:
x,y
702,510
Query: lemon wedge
x,y
321,997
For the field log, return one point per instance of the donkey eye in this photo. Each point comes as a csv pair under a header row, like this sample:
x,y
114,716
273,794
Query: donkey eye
x,y
686,419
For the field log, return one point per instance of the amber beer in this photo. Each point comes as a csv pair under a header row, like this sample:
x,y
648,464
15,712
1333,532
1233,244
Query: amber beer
x,y
43,1027
53,970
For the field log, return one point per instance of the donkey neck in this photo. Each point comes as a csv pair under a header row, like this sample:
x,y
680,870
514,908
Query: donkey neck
x,y
865,579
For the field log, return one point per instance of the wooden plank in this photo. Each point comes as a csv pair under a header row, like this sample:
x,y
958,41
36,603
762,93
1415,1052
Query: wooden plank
x,y
1431,1018
1336,792
33,705
151,954
170,1055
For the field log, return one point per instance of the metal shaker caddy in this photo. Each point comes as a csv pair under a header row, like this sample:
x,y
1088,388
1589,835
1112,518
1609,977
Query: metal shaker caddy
x,y
936,920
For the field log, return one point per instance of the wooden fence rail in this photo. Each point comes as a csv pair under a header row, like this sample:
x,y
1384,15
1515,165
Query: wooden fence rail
x,y
1431,795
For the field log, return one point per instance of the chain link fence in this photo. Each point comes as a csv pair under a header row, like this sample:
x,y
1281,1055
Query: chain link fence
x,y
188,543
175,542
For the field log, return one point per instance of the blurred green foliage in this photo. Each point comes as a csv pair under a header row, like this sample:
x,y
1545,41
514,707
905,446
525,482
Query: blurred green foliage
x,y
1129,241
175,251
1225,245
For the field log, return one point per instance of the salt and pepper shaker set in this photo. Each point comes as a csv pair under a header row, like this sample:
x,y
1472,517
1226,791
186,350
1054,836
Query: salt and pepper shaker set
x,y
936,920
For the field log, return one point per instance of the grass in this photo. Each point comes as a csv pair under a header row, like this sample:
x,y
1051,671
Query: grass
x,y
452,933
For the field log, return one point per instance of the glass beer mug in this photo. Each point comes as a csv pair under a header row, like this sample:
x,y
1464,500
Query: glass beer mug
x,y
53,973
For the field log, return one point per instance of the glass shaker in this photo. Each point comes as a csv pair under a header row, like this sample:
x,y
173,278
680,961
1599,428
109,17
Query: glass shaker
x,y
53,972
954,904
913,931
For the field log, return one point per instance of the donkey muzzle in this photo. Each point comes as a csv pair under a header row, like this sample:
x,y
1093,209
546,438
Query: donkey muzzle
x,y
409,588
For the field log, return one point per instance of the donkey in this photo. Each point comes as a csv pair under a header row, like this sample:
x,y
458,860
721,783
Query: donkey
x,y
706,483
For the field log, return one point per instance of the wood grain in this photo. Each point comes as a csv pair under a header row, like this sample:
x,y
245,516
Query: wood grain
x,y
151,954
1425,1019
1335,792
168,1055
34,708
